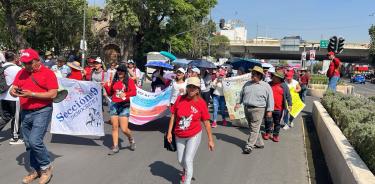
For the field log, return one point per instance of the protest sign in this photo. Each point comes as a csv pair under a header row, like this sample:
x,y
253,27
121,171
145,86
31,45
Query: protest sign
x,y
297,104
232,88
81,111
147,106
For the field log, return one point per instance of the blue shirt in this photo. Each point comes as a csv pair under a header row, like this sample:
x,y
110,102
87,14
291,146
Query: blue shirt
x,y
63,71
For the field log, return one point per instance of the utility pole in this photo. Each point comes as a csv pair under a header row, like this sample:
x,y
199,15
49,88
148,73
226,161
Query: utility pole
x,y
84,36
256,36
209,33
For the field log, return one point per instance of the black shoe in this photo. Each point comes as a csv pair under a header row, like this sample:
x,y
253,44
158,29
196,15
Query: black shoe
x,y
247,151
259,147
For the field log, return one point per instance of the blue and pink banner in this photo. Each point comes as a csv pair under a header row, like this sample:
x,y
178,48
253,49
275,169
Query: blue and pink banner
x,y
147,106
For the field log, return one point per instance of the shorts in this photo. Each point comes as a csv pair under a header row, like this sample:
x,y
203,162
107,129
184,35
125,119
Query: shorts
x,y
116,109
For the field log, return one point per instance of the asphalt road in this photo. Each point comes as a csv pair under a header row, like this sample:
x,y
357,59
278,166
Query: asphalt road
x,y
84,159
366,90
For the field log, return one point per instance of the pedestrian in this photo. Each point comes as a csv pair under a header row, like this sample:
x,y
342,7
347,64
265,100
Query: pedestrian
x,y
293,86
9,105
241,71
282,100
257,98
196,72
111,71
36,92
49,61
178,85
218,98
158,82
61,69
120,91
88,69
333,72
304,81
207,79
77,71
135,73
187,114
98,74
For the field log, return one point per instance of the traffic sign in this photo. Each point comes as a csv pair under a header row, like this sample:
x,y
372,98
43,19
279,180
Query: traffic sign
x,y
324,44
312,54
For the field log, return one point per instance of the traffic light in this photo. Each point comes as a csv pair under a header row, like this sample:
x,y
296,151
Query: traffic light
x,y
222,23
332,44
340,46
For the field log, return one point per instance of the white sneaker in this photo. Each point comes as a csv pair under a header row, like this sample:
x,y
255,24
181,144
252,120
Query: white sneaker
x,y
286,127
292,124
16,141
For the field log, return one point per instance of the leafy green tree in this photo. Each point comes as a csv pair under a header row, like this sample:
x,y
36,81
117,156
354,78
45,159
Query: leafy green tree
x,y
220,46
151,25
372,43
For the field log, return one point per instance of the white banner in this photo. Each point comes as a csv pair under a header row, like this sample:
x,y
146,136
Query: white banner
x,y
232,89
81,112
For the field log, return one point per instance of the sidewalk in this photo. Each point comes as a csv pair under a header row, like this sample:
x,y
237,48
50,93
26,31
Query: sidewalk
x,y
85,160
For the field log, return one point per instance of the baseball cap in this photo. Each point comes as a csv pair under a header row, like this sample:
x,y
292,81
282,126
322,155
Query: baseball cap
x,y
130,61
196,70
195,81
98,60
28,55
331,53
289,75
181,70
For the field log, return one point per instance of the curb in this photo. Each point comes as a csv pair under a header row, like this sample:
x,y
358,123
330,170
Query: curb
x,y
344,164
305,150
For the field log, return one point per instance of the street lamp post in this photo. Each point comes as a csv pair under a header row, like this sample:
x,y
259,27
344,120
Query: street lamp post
x,y
83,45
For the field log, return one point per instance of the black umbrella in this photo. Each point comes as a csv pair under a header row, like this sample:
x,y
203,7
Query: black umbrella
x,y
245,63
202,64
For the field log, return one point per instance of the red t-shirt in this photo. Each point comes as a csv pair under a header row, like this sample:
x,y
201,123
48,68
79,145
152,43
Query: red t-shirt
x,y
76,74
278,96
334,68
46,79
119,87
189,114
304,79
88,71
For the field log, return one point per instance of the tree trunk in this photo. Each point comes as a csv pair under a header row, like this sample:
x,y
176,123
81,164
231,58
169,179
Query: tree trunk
x,y
17,37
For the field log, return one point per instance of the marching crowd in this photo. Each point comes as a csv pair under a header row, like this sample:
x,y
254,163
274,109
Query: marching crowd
x,y
266,98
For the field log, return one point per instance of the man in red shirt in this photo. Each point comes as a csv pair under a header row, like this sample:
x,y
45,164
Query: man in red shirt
x,y
333,72
282,101
304,81
36,86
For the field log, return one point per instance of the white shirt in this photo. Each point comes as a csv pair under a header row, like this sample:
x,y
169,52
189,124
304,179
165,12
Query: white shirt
x,y
10,75
218,86
176,90
293,84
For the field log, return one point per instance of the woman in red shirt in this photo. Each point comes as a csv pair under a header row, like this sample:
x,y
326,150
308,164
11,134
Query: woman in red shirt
x,y
77,71
120,91
189,111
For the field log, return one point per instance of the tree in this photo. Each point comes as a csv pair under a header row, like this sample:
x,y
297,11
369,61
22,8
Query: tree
x,y
372,44
150,25
44,24
221,46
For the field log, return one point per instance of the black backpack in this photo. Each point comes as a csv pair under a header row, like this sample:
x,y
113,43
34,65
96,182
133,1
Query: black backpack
x,y
3,83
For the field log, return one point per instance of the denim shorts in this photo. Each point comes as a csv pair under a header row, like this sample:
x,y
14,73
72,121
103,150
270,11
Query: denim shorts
x,y
116,109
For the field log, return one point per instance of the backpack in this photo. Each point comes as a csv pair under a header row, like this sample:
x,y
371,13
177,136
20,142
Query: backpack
x,y
3,83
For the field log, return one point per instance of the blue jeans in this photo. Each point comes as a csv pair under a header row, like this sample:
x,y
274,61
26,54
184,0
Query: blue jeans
x,y
303,92
287,117
34,128
332,83
219,101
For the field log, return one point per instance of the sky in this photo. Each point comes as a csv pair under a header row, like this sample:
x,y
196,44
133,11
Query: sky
x,y
313,20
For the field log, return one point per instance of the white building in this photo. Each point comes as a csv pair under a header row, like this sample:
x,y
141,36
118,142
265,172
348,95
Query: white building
x,y
235,34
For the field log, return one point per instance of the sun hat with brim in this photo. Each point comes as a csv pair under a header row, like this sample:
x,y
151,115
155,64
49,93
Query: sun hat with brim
x,y
75,65
279,75
28,55
258,69
48,53
195,81
181,70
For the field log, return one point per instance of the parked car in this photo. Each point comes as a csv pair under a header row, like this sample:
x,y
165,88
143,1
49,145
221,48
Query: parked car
x,y
358,78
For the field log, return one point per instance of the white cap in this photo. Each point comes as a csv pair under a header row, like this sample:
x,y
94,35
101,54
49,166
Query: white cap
x,y
130,61
272,70
182,70
196,70
98,60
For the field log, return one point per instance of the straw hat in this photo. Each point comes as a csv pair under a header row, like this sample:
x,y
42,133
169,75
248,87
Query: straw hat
x,y
258,69
279,75
75,65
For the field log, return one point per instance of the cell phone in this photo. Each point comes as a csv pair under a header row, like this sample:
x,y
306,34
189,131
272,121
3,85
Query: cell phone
x,y
19,90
